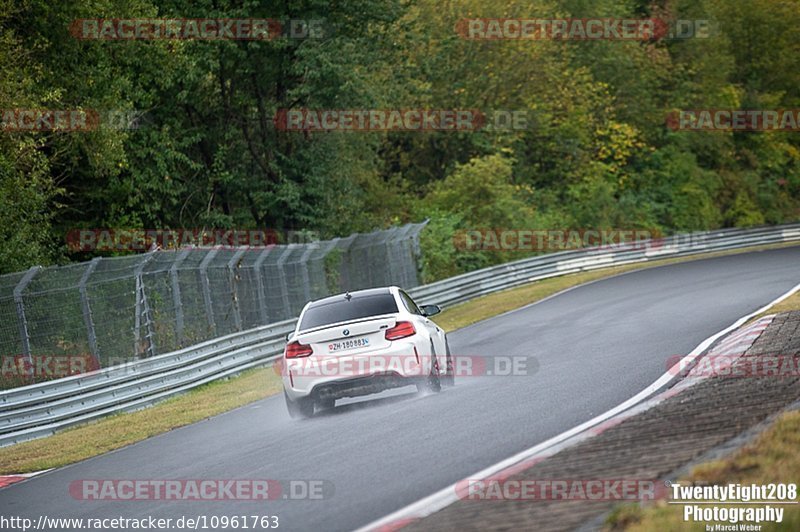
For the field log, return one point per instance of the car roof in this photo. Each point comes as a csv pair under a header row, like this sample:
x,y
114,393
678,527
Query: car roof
x,y
355,294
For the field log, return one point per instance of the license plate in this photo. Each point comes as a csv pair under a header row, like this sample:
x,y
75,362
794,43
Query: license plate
x,y
348,344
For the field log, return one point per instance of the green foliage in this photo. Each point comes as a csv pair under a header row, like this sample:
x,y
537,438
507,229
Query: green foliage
x,y
596,152
439,256
481,191
26,194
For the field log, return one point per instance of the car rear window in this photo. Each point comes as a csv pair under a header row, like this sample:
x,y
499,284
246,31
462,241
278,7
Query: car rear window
x,y
357,307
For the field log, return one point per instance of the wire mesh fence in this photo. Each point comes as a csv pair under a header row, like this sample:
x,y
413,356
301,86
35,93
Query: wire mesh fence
x,y
115,310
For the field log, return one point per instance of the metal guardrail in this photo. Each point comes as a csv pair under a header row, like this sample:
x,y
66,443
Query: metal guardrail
x,y
38,410
470,285
42,409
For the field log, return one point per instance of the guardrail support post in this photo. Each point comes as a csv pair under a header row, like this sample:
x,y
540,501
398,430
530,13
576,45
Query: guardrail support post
x,y
20,304
87,309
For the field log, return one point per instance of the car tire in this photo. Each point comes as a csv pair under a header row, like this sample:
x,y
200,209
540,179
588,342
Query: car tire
x,y
301,408
326,403
449,377
432,382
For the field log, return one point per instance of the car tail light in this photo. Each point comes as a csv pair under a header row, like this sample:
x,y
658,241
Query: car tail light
x,y
297,350
402,329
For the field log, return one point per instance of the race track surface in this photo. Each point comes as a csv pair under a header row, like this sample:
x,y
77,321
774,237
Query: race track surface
x,y
592,348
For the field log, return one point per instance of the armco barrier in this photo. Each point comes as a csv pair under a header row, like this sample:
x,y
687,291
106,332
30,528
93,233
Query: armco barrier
x,y
41,409
481,282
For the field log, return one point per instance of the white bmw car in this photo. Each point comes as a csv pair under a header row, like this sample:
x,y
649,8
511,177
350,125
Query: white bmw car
x,y
360,343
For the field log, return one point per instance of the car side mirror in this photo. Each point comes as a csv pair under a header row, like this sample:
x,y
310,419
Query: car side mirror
x,y
430,310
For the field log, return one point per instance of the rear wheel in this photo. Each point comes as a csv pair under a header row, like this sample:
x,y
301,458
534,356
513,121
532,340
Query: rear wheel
x,y
431,383
300,408
449,377
326,403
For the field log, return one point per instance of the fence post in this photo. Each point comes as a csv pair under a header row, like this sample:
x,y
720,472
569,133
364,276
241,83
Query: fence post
x,y
23,322
87,309
282,277
404,242
376,255
207,288
304,271
417,250
233,265
143,308
262,293
329,246
345,279
392,239
176,294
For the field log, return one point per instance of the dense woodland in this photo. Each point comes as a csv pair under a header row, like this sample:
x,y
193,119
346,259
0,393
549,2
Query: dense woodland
x,y
206,153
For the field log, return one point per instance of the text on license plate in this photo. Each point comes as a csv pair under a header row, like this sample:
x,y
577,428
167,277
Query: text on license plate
x,y
348,344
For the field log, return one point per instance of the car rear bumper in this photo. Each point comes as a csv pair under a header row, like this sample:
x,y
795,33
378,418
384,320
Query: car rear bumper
x,y
355,375
360,386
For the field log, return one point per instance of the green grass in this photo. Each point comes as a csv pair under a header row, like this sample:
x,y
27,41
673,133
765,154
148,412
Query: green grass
x,y
209,400
113,432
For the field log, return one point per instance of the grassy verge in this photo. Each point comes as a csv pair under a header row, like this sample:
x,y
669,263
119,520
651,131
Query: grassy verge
x,y
113,432
772,458
120,430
